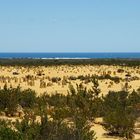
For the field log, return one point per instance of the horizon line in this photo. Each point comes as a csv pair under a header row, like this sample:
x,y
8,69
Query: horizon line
x,y
70,52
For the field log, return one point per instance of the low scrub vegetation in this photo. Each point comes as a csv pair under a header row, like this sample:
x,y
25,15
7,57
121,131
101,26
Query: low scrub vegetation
x,y
52,62
70,117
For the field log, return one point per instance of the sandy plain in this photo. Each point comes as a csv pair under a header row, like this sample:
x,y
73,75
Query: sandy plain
x,y
56,79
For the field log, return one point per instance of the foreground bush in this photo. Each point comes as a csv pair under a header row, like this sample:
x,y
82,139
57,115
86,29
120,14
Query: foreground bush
x,y
119,119
29,129
11,98
7,133
68,117
62,117
27,98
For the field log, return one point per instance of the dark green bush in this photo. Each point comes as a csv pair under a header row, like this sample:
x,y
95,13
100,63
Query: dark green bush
x,y
119,119
9,99
7,133
27,98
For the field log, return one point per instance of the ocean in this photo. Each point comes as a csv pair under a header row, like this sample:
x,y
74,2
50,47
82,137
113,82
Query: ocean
x,y
69,55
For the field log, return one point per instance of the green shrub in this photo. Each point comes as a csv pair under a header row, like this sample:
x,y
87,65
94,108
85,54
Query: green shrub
x,y
28,128
7,133
134,98
9,99
119,119
27,98
59,130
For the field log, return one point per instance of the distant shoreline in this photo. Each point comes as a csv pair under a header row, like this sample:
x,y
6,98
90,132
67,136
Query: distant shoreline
x,y
86,55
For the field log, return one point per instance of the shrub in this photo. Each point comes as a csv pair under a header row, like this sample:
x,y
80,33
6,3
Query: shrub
x,y
134,98
28,128
9,99
56,79
72,78
120,70
53,130
27,98
61,130
12,97
6,133
118,117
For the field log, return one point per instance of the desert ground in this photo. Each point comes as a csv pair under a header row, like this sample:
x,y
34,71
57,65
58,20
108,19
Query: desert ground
x,y
56,79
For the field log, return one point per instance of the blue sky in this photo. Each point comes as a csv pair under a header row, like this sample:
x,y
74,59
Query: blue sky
x,y
69,25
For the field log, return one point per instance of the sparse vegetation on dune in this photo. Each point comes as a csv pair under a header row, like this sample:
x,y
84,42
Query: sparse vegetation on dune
x,y
26,114
67,117
45,78
61,117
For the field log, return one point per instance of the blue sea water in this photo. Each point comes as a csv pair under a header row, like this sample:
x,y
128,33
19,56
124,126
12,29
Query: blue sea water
x,y
69,55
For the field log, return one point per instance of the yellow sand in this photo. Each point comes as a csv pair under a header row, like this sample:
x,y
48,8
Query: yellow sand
x,y
66,71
